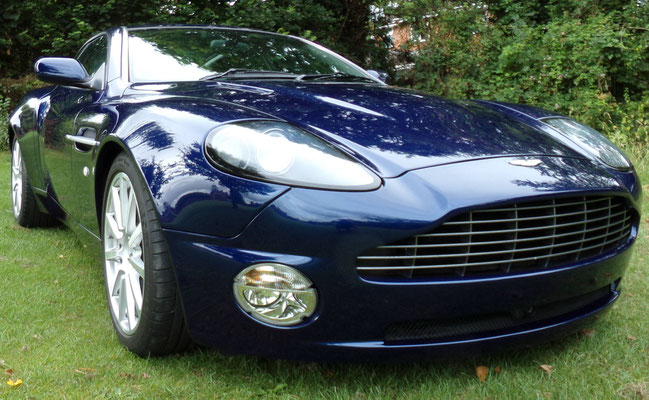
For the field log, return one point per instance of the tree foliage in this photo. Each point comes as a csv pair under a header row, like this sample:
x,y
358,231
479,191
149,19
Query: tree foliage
x,y
33,28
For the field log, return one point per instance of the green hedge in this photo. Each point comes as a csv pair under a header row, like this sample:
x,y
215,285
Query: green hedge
x,y
586,59
11,90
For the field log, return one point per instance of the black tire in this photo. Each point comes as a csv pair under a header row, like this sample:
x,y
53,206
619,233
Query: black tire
x,y
23,200
160,329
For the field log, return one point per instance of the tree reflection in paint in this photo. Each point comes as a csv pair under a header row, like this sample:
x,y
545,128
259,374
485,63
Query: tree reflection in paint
x,y
180,54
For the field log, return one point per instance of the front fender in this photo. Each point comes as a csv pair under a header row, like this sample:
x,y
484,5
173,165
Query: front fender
x,y
166,136
25,124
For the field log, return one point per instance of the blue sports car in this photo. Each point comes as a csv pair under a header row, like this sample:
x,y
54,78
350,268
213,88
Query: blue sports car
x,y
261,194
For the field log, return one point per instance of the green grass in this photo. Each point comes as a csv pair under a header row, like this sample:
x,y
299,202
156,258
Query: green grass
x,y
55,334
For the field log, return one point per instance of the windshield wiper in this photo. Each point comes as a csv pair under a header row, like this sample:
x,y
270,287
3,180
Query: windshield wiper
x,y
246,72
335,76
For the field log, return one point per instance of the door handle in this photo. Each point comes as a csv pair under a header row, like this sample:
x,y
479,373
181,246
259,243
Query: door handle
x,y
82,140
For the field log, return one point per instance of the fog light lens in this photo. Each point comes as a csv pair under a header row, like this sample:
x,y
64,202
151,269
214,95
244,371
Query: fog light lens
x,y
275,293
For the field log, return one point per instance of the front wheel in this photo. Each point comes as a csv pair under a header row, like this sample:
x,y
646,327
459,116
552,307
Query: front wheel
x,y
141,287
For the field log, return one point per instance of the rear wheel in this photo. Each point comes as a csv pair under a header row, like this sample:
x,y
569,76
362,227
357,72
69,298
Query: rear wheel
x,y
23,201
140,283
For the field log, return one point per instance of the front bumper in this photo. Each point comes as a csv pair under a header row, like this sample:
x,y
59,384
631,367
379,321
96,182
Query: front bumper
x,y
321,233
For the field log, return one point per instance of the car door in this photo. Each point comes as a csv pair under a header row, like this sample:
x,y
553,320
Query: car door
x,y
92,122
67,143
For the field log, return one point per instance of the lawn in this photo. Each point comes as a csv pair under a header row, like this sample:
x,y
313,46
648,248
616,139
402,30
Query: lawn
x,y
55,336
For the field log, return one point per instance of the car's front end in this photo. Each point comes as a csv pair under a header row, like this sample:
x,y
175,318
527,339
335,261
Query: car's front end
x,y
437,261
345,219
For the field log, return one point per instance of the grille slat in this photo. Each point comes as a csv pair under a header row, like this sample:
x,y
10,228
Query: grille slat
x,y
485,253
490,262
522,229
512,241
527,218
517,237
540,207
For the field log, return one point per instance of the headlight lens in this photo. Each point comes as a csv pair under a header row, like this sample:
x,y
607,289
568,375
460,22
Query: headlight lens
x,y
275,293
591,141
282,153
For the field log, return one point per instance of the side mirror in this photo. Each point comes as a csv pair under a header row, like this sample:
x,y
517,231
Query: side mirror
x,y
62,71
380,75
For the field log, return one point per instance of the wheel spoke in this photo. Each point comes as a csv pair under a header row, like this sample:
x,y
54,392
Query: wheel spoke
x,y
112,255
132,212
138,265
136,293
136,237
124,206
117,206
130,302
123,301
117,281
112,224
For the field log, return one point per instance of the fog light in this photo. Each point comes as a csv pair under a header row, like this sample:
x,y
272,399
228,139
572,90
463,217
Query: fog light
x,y
275,293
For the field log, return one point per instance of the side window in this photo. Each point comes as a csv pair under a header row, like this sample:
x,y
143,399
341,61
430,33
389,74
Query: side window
x,y
93,58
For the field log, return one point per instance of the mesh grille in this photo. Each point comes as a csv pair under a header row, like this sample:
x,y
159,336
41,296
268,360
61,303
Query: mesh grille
x,y
493,324
515,238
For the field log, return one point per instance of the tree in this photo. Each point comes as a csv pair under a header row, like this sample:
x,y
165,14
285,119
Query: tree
x,y
34,28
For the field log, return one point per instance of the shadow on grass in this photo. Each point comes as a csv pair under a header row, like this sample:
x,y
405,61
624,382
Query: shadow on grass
x,y
409,376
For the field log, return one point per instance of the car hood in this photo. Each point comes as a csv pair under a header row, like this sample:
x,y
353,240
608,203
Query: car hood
x,y
392,130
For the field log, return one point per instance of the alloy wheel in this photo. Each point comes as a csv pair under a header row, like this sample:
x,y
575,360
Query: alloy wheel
x,y
123,254
16,180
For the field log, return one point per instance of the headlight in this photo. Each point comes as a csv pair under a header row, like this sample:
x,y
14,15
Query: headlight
x,y
282,153
591,141
275,293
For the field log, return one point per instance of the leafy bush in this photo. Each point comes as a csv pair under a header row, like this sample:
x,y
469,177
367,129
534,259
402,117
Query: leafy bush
x,y
589,60
628,124
4,123
11,90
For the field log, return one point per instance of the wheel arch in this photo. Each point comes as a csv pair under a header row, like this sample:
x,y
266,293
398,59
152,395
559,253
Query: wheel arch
x,y
10,135
165,138
107,154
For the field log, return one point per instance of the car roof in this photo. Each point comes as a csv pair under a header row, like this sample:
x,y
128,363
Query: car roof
x,y
198,26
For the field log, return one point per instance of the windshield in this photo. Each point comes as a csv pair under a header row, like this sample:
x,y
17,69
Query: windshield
x,y
188,54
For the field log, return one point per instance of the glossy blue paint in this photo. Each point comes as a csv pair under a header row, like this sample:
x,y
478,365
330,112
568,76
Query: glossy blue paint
x,y
521,109
191,195
61,71
436,157
392,130
347,325
322,233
